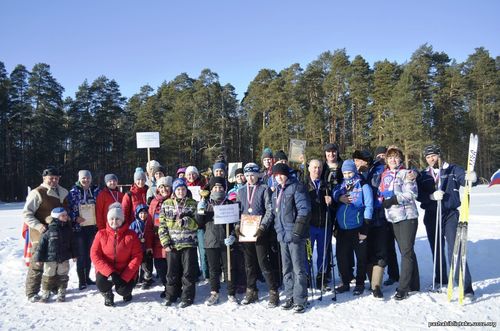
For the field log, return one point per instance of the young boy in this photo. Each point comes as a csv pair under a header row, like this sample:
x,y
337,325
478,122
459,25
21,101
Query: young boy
x,y
55,249
353,217
143,227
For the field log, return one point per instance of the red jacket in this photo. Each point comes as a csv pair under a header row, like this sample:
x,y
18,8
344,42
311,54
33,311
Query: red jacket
x,y
117,251
131,200
155,209
104,199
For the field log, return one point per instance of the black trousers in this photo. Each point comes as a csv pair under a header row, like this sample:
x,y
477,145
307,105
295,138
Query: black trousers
x,y
392,258
161,269
257,255
104,285
182,269
217,257
347,242
146,270
377,246
405,232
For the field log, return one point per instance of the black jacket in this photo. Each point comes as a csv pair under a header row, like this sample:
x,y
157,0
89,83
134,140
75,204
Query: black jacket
x,y
56,244
214,233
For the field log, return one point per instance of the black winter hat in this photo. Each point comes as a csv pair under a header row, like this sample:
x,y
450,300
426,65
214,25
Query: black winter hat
x,y
238,171
280,155
160,168
363,155
330,148
380,150
217,180
432,149
281,169
51,171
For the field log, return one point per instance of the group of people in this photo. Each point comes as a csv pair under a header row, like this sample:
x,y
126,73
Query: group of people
x,y
169,225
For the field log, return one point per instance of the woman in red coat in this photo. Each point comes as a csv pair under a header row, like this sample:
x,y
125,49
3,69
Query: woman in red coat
x,y
107,196
135,197
117,256
163,192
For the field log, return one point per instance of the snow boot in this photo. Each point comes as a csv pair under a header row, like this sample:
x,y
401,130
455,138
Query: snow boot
x,y
274,299
109,299
213,299
61,294
251,296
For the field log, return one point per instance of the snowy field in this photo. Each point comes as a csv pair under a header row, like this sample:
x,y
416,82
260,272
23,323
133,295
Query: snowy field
x,y
84,310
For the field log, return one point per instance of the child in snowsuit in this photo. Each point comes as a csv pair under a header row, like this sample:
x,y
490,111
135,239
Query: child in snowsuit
x,y
143,227
55,249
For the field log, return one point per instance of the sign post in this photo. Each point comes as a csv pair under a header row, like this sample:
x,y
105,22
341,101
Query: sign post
x,y
148,140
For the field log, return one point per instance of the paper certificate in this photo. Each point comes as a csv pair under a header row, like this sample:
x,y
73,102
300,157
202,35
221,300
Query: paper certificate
x,y
248,226
225,214
87,212
195,192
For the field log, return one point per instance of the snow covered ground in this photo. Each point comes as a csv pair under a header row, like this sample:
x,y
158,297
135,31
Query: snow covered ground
x,y
84,310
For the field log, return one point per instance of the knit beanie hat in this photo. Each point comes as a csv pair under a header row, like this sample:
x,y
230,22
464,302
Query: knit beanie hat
x,y
238,171
219,165
115,211
251,169
84,173
217,180
192,169
51,171
280,155
380,150
178,183
362,155
349,165
331,147
158,168
267,153
109,177
281,169
139,174
151,164
58,211
165,181
181,171
432,149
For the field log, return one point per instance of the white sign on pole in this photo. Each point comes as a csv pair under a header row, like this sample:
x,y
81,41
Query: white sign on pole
x,y
148,139
225,214
195,192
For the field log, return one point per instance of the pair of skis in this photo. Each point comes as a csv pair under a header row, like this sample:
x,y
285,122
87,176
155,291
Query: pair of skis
x,y
459,260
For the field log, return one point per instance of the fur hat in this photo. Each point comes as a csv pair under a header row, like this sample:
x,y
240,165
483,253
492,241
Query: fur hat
x,y
281,169
115,211
217,180
349,165
165,181
109,177
58,211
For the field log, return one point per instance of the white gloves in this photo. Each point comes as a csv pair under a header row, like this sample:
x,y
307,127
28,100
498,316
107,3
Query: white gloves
x,y
437,195
229,240
471,177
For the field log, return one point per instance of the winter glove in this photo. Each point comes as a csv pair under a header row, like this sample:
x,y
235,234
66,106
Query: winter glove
x,y
387,194
260,231
117,280
388,203
437,195
237,231
202,206
471,177
229,240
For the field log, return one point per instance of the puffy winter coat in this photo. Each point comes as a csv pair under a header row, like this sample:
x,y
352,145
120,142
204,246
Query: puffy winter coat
x,y
133,198
154,213
452,177
77,196
178,227
214,233
352,215
117,251
292,212
261,204
398,183
56,244
104,199
143,229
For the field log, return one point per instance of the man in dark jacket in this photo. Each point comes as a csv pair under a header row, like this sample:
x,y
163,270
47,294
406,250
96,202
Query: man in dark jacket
x,y
441,181
291,209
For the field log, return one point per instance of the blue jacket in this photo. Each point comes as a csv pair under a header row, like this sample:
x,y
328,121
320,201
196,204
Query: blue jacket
x,y
261,204
77,197
291,216
452,177
352,216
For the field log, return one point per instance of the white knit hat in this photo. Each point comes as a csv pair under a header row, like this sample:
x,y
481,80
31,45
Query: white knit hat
x,y
192,169
115,211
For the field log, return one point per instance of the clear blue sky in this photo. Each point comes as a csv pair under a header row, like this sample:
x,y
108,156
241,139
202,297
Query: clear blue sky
x,y
148,42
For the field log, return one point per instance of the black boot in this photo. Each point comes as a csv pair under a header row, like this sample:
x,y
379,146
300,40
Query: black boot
x,y
109,299
82,282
